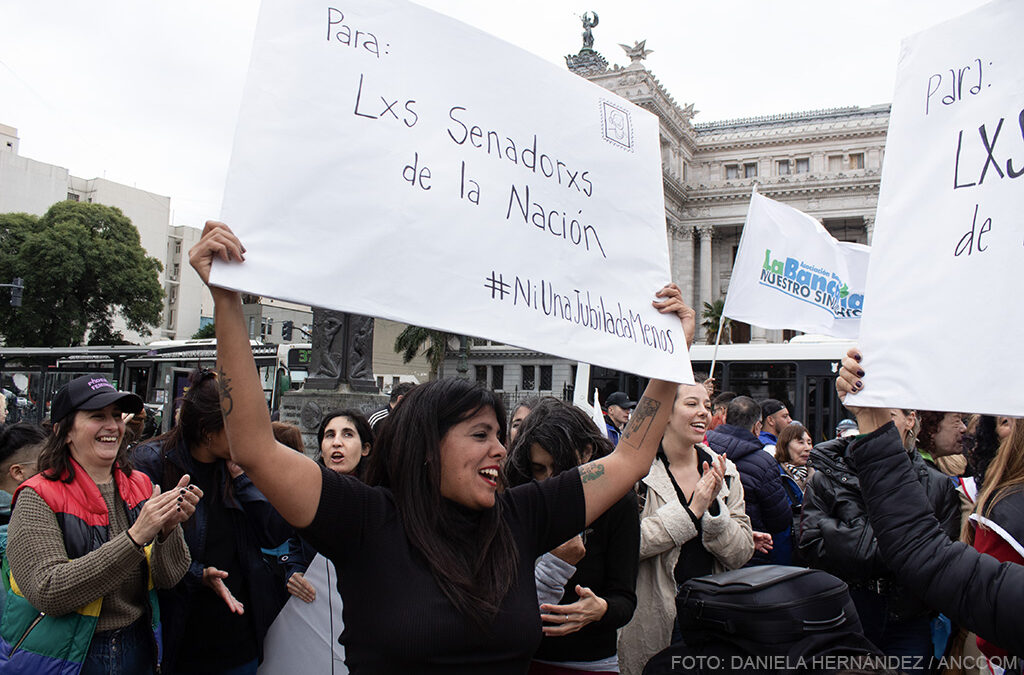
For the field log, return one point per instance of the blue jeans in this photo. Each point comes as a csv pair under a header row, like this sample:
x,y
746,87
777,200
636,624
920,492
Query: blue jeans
x,y
124,651
910,639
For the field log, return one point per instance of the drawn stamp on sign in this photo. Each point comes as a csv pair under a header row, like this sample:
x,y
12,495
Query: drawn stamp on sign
x,y
616,125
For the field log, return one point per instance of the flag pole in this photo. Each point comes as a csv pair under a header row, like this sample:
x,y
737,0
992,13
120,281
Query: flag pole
x,y
714,355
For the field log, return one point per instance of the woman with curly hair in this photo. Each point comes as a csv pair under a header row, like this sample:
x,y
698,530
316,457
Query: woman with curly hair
x,y
940,441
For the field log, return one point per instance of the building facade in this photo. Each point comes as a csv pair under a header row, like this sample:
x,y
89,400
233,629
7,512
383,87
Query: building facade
x,y
826,163
29,186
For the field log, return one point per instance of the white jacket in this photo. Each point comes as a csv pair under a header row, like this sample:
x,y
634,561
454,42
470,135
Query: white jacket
x,y
664,527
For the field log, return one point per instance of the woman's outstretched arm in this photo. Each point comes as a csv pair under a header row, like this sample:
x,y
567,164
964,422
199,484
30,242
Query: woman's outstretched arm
x,y
605,480
290,480
975,590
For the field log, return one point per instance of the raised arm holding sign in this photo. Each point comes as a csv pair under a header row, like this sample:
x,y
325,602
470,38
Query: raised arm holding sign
x,y
430,537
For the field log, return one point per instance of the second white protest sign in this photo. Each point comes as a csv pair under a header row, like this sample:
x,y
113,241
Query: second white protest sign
x,y
942,321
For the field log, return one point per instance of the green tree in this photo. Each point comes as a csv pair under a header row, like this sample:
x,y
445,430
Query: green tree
x,y
206,332
712,315
433,344
81,263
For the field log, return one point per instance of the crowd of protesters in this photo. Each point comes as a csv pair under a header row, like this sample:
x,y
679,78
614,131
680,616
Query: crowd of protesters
x,y
467,540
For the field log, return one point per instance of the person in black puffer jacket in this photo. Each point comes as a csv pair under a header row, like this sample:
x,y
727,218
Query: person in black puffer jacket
x,y
974,590
767,504
835,536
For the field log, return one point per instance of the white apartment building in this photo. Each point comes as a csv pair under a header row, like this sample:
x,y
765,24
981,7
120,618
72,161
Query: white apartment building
x,y
29,186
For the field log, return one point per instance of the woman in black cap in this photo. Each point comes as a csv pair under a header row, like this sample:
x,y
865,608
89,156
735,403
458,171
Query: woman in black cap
x,y
89,539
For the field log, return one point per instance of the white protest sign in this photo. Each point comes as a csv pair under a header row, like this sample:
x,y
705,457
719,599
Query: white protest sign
x,y
304,636
943,313
394,162
791,273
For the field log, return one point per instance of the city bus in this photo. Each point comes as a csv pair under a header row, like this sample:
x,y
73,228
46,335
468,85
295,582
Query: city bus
x,y
800,373
157,372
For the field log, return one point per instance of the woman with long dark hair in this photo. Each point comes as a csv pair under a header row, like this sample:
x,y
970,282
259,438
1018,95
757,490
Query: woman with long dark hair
x,y
345,438
519,413
429,551
600,596
89,540
215,619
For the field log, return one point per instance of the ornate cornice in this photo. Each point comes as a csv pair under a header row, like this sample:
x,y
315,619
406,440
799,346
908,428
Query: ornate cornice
x,y
802,137
503,352
788,119
674,189
868,182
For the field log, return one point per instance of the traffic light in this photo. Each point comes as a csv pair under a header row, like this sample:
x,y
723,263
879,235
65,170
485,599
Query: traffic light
x,y
286,330
16,289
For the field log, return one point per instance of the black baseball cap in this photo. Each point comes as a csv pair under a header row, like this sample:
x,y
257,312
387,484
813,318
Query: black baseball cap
x,y
620,399
771,406
90,392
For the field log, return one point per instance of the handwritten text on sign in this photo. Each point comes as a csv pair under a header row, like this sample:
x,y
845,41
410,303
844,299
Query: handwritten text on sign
x,y
949,236
393,162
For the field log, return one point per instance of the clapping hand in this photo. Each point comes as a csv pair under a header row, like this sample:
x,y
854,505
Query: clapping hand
x,y
707,487
164,510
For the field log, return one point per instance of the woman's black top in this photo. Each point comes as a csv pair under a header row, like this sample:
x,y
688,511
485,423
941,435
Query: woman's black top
x,y
609,569
694,559
397,619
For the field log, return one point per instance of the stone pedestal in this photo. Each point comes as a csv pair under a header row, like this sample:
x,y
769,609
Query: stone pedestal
x,y
306,408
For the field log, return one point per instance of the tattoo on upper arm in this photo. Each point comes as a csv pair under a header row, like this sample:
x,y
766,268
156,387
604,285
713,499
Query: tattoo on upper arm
x,y
227,404
589,472
640,421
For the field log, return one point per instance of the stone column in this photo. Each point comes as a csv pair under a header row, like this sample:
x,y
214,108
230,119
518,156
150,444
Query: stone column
x,y
704,231
758,334
340,373
681,249
869,227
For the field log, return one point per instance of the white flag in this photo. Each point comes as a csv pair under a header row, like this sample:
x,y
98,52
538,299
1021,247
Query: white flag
x,y
304,637
791,273
598,416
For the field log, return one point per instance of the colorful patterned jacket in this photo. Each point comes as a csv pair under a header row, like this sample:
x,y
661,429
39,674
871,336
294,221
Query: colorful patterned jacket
x,y
35,642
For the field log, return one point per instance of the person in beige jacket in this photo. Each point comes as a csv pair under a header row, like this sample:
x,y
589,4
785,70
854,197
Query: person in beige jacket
x,y
693,522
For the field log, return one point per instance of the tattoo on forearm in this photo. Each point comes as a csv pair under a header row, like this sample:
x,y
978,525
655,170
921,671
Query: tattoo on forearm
x,y
589,472
640,421
227,404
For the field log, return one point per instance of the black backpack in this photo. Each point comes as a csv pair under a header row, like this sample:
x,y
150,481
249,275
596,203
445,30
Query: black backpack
x,y
790,618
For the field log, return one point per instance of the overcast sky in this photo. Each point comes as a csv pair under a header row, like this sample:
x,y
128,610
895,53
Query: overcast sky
x,y
146,93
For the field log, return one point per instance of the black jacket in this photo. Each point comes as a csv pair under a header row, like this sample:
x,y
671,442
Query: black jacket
x,y
835,534
975,591
257,526
767,504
